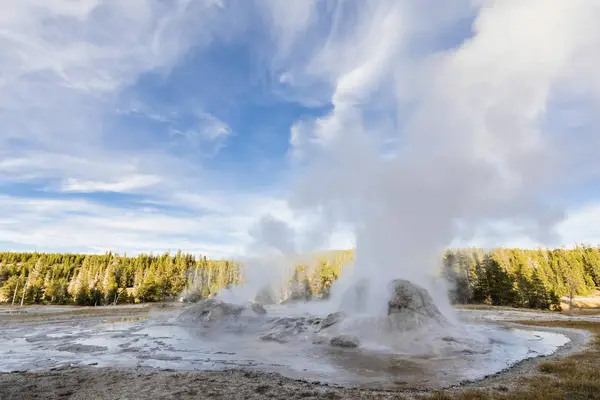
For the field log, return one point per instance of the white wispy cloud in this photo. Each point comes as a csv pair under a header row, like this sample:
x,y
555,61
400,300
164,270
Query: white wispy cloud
x,y
208,133
83,224
216,230
63,69
214,128
123,185
204,130
63,62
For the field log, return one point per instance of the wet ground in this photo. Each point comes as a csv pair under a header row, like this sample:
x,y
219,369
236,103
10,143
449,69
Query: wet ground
x,y
500,314
50,339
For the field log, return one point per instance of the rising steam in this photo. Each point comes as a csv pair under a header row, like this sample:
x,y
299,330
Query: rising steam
x,y
420,148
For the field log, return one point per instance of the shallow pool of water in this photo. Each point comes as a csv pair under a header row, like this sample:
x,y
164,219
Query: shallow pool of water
x,y
434,359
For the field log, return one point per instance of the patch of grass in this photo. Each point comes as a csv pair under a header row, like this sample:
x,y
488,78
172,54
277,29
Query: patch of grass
x,y
466,395
574,377
556,367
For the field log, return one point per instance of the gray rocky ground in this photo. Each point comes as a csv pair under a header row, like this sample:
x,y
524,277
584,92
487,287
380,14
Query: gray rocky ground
x,y
85,383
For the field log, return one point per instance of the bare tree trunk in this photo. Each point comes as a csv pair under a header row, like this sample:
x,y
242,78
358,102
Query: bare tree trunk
x,y
24,289
15,294
571,301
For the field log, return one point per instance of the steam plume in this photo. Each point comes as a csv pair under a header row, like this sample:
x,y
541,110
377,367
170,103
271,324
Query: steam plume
x,y
425,142
462,142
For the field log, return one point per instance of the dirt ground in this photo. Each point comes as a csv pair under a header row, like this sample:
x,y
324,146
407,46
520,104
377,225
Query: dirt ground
x,y
85,382
102,383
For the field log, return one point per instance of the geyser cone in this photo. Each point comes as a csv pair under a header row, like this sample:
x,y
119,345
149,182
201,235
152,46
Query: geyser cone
x,y
215,311
376,315
410,306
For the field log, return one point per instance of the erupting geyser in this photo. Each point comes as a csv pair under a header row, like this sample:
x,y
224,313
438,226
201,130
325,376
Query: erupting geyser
x,y
409,308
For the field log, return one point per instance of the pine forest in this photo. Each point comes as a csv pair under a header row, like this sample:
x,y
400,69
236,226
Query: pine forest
x,y
507,277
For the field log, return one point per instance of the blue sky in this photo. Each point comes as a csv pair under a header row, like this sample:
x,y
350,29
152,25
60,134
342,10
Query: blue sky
x,y
153,125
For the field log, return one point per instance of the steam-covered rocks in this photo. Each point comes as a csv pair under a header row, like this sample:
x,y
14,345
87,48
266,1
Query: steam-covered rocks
x,y
213,310
332,319
408,304
258,308
286,328
265,296
344,341
411,306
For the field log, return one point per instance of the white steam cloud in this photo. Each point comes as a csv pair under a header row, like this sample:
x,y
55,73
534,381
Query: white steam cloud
x,y
463,139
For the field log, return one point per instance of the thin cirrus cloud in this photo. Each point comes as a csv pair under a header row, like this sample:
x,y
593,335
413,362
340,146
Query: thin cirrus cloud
x,y
124,185
218,229
117,122
205,132
195,128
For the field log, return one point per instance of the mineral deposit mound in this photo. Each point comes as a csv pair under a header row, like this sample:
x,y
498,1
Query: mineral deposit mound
x,y
214,311
265,296
410,306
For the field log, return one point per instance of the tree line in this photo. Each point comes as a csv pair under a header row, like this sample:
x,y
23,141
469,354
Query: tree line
x,y
521,278
511,277
42,278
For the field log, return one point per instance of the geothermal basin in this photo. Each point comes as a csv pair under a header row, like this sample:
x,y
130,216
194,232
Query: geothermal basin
x,y
288,339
